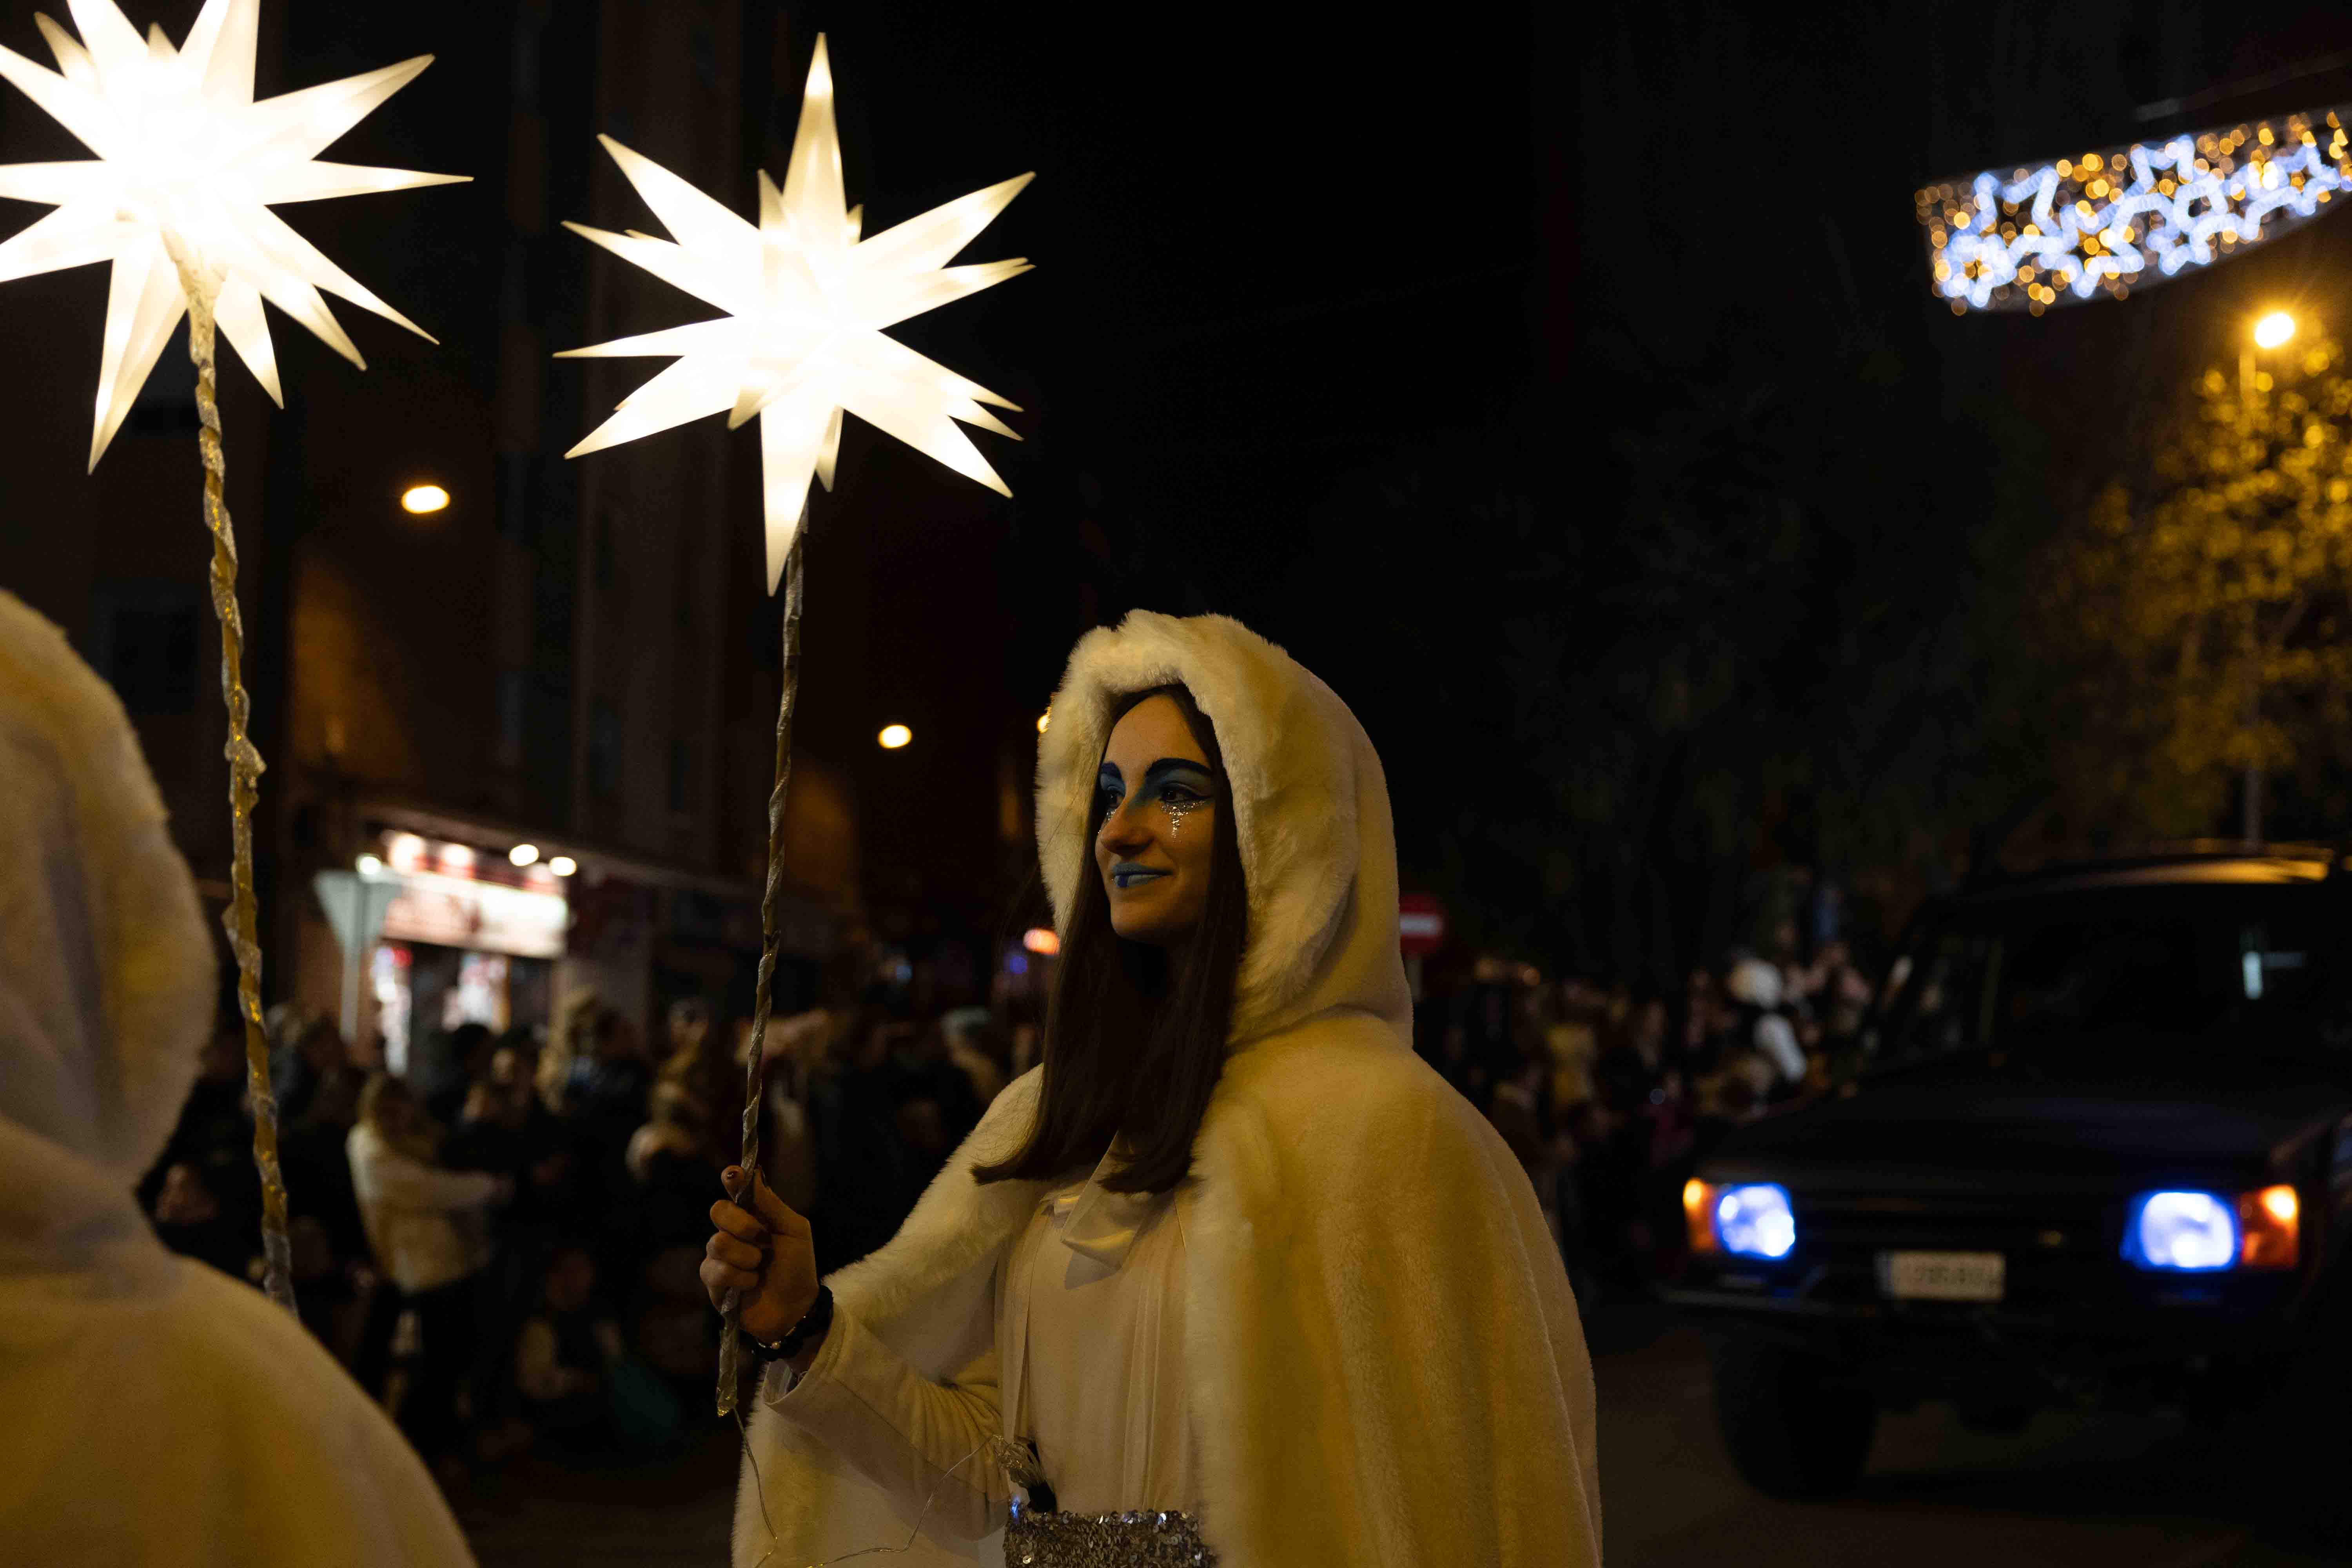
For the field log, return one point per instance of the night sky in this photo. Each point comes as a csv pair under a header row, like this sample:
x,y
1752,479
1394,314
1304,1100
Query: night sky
x,y
1566,389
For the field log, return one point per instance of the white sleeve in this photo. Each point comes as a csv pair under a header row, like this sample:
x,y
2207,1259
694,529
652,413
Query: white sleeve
x,y
1776,1039
386,1178
923,1442
536,1371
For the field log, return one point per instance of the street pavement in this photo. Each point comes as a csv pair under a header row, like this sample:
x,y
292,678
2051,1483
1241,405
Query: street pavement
x,y
2070,1492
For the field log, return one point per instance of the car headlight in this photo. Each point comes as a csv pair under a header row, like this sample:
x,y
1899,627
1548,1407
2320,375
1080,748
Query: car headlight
x,y
2181,1232
1754,1220
2186,1232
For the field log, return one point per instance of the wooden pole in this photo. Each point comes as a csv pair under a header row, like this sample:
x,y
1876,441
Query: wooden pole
x,y
242,916
754,1078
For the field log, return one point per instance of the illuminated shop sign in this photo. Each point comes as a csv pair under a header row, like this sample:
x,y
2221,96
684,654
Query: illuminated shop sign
x,y
453,911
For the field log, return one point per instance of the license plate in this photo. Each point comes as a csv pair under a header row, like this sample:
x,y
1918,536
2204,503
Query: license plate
x,y
1943,1275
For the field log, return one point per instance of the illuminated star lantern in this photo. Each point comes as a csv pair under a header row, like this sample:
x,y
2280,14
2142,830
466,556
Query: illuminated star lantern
x,y
807,301
189,164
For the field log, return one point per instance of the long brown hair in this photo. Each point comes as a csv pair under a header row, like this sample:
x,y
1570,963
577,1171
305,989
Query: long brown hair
x,y
1134,1044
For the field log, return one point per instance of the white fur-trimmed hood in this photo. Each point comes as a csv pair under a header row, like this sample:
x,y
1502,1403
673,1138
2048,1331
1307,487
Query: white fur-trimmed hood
x,y
1309,801
106,975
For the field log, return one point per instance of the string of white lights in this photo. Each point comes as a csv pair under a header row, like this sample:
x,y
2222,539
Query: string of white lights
x,y
2074,228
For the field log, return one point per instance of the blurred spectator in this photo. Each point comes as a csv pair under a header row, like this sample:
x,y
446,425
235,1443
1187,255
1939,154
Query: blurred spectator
x,y
1755,985
189,1220
937,1103
866,1178
978,1050
214,1133
603,1095
454,1060
318,1104
427,1229
699,1062
565,1352
669,1160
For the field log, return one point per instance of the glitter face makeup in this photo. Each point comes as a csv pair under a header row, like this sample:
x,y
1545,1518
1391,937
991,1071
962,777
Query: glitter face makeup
x,y
1177,810
1151,782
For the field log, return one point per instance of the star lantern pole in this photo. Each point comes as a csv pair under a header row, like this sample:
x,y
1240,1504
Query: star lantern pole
x,y
177,201
800,343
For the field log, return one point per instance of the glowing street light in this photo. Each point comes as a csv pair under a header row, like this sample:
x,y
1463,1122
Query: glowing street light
x,y
563,864
2270,332
1043,719
894,736
422,499
523,854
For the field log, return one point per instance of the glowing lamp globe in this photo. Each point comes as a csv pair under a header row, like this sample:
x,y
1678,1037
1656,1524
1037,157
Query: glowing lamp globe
x,y
2273,330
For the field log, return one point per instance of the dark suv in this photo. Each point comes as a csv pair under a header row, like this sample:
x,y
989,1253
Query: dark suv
x,y
2097,1153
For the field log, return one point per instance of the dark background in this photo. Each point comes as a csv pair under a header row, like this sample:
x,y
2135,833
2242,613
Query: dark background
x,y
1564,388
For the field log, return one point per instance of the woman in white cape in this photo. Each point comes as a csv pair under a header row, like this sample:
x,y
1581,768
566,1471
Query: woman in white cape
x,y
1234,1272
157,1411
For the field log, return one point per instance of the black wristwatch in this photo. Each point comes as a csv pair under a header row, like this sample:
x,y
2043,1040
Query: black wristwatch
x,y
812,1326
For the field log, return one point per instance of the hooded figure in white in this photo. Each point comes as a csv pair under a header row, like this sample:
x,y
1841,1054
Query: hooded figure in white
x,y
157,1411
1380,1353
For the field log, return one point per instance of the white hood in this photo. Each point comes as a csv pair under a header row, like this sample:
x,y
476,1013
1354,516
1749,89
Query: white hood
x,y
181,1417
1310,812
105,973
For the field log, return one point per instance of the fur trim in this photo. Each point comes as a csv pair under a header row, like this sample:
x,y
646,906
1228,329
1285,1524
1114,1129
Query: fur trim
x,y
1292,751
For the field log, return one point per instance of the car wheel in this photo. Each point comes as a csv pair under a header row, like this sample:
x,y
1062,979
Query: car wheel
x,y
1792,1425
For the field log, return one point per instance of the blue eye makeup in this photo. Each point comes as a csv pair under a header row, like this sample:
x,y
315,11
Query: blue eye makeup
x,y
1179,787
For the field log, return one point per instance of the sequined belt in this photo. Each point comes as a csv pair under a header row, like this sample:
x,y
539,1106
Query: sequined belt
x,y
1035,1538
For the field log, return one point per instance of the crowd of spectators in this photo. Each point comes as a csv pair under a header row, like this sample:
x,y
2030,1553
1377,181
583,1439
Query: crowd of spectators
x,y
501,1244
1610,1095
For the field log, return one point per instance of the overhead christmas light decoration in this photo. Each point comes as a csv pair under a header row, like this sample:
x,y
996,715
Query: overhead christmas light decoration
x,y
178,201
800,344
806,301
2127,216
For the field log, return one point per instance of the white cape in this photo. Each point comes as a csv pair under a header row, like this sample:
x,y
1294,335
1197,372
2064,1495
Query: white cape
x,y
1389,1367
156,1411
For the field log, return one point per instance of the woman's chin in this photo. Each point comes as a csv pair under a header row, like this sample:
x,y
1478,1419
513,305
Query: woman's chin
x,y
1138,927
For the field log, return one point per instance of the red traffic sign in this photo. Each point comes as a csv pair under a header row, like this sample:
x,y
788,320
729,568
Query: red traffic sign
x,y
1421,925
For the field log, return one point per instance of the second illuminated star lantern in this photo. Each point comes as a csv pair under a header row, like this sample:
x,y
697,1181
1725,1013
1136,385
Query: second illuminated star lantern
x,y
806,297
177,199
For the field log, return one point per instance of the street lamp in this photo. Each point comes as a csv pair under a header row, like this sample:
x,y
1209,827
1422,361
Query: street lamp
x,y
894,736
419,500
2273,331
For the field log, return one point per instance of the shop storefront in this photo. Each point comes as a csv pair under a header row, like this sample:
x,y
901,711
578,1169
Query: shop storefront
x,y
467,939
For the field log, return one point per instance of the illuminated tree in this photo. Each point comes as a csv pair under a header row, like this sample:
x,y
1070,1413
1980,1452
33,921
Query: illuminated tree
x,y
2202,606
